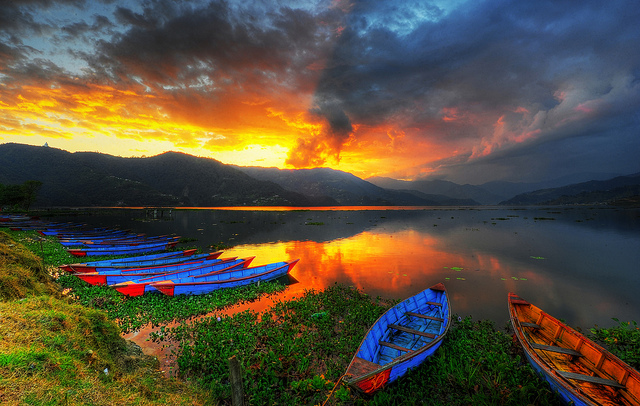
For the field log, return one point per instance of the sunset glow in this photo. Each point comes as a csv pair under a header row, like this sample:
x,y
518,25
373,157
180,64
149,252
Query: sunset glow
x,y
371,88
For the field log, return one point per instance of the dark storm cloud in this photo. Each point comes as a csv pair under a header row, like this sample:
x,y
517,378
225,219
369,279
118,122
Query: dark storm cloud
x,y
493,60
215,40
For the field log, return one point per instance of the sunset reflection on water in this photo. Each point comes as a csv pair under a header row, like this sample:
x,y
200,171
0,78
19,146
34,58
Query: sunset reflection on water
x,y
393,265
579,265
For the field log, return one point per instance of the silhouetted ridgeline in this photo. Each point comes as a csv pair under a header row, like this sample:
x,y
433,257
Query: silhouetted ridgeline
x,y
619,190
170,179
85,179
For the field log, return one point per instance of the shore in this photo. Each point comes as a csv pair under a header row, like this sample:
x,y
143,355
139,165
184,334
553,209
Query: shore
x,y
294,352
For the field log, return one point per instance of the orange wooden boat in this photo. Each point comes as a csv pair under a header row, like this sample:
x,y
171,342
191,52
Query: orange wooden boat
x,y
580,370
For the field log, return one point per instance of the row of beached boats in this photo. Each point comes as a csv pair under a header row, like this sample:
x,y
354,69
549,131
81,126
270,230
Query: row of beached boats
x,y
181,273
579,370
153,268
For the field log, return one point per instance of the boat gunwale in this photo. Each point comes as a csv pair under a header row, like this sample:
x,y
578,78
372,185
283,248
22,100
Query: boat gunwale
x,y
574,390
404,357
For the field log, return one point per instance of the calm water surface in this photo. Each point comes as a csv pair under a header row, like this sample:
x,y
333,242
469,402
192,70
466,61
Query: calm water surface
x,y
580,264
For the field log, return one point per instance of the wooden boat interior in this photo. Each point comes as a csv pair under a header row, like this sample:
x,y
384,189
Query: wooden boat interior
x,y
405,328
589,368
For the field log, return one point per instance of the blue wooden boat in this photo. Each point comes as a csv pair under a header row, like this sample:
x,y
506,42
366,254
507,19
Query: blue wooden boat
x,y
401,339
85,241
122,249
95,232
100,277
139,260
128,242
142,285
231,279
114,277
579,370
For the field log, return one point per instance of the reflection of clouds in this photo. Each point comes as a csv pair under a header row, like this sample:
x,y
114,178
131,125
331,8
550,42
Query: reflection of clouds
x,y
478,268
588,274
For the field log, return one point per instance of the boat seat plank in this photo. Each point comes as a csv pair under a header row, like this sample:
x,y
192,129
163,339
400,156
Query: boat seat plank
x,y
589,378
434,303
532,325
423,316
412,331
555,348
362,366
394,346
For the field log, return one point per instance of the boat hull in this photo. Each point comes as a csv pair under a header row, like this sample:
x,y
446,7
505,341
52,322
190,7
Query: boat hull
x,y
140,260
579,370
142,265
232,279
401,339
131,274
143,285
146,248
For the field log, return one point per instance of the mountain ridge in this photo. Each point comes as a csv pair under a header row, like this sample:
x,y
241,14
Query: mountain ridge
x,y
176,179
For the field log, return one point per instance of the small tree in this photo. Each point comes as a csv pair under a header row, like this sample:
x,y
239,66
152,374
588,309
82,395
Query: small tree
x,y
30,190
20,196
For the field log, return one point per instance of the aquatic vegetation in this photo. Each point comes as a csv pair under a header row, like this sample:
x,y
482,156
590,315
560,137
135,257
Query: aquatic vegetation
x,y
622,340
68,350
132,313
293,354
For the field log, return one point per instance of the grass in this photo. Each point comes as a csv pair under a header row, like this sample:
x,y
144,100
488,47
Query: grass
x,y
297,352
57,349
22,271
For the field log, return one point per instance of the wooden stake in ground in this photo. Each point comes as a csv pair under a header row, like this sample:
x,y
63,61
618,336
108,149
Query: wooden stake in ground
x,y
237,392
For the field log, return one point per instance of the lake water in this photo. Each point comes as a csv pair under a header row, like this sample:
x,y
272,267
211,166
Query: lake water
x,y
580,264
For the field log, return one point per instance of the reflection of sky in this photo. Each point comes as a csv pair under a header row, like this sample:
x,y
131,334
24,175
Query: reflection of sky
x,y
581,266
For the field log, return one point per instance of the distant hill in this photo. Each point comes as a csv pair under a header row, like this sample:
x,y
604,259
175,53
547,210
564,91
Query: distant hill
x,y
171,179
347,189
85,179
441,187
615,190
489,193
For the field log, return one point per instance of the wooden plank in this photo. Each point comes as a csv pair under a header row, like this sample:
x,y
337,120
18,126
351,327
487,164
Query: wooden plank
x,y
361,367
434,303
423,316
532,325
589,378
555,348
412,331
394,346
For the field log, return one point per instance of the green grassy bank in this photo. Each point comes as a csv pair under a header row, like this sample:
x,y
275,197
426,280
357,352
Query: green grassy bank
x,y
60,343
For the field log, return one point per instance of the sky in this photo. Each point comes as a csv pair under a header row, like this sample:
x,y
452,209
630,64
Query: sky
x,y
466,91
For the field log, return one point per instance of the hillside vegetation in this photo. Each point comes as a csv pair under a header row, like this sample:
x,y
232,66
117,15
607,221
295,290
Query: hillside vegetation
x,y
53,351
171,179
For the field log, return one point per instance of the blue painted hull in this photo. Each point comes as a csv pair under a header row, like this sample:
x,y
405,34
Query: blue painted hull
x,y
119,276
115,241
143,285
401,339
122,250
183,271
125,265
136,260
579,370
232,279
